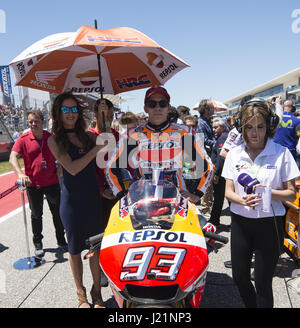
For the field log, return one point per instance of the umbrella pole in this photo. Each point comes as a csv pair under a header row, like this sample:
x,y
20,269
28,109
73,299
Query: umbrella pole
x,y
100,81
99,67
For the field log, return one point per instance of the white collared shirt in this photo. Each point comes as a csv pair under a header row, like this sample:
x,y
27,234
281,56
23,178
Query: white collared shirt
x,y
273,166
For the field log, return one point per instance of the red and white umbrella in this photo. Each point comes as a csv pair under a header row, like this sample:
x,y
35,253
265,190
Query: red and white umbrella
x,y
129,60
219,106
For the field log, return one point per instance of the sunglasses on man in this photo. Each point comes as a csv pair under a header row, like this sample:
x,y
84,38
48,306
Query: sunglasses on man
x,y
185,111
66,109
152,103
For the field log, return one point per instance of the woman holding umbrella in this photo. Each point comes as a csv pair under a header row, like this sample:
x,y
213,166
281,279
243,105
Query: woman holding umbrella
x,y
80,207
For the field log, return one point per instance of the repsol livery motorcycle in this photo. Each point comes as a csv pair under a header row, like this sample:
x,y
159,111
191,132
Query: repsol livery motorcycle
x,y
154,251
291,238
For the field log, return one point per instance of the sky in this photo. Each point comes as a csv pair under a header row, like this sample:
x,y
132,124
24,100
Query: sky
x,y
231,46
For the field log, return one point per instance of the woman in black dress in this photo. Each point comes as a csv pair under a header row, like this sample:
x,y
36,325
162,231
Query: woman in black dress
x,y
80,206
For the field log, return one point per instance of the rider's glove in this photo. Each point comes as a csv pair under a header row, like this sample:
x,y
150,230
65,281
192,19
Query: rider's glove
x,y
210,227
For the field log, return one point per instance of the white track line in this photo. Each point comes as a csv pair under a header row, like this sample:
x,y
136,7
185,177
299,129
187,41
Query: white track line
x,y
13,213
7,173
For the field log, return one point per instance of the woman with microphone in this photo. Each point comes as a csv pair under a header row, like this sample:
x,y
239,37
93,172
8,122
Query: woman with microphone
x,y
259,175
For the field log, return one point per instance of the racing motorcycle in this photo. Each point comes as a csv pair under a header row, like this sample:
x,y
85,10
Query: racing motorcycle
x,y
154,250
291,240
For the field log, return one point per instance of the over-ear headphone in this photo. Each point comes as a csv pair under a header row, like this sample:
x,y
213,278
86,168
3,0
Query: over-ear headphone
x,y
272,119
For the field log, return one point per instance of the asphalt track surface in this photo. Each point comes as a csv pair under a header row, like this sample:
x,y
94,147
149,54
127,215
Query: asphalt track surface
x,y
51,284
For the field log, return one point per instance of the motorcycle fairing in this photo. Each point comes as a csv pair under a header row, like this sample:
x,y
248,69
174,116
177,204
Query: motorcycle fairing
x,y
154,257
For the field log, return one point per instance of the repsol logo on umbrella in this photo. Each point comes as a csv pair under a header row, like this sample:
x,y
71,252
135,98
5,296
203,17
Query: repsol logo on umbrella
x,y
85,90
168,70
131,82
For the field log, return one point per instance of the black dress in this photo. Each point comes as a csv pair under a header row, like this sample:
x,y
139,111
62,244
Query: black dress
x,y
80,206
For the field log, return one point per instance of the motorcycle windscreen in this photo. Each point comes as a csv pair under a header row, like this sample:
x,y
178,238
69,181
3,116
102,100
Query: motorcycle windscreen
x,y
147,210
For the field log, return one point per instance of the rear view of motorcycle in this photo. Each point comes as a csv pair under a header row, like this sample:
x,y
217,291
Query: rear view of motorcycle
x,y
154,250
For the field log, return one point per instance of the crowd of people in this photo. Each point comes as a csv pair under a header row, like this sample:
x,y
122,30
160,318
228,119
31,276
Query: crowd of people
x,y
14,120
258,150
12,116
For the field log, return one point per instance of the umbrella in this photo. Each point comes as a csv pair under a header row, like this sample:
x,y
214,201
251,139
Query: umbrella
x,y
219,106
129,60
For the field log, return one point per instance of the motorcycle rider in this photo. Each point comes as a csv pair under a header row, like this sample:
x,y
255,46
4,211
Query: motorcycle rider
x,y
160,144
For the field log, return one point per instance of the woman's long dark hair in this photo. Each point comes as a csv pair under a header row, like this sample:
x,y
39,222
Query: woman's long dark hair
x,y
60,135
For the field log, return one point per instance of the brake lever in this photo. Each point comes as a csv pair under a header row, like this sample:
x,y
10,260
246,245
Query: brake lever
x,y
91,251
89,254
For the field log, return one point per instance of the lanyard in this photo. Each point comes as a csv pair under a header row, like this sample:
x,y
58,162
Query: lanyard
x,y
251,167
41,147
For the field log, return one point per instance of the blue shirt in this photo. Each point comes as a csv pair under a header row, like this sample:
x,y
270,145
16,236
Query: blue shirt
x,y
205,128
286,134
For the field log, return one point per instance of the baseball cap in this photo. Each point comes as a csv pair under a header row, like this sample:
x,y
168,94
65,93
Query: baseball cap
x,y
154,90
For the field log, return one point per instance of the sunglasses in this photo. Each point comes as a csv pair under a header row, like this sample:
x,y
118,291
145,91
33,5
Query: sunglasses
x,y
259,101
66,109
153,103
184,112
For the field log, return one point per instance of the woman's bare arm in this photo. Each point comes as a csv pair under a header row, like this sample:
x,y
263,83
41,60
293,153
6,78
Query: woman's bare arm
x,y
73,167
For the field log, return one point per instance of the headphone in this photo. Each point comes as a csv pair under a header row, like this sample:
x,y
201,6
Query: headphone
x,y
272,119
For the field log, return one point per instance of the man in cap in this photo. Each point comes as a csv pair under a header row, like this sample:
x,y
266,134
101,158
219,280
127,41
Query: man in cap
x,y
160,144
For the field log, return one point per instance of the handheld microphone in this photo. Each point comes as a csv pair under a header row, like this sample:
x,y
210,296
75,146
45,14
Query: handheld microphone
x,y
247,182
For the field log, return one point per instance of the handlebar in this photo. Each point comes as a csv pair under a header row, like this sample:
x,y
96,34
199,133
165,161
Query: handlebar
x,y
94,239
214,236
98,238
94,243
